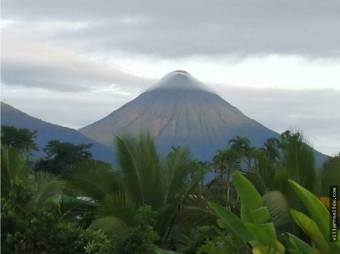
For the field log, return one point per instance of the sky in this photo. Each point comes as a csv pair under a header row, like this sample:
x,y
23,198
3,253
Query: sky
x,y
73,62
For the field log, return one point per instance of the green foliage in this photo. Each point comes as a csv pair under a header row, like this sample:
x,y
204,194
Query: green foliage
x,y
62,155
15,175
134,241
278,208
197,237
281,159
297,246
144,172
224,163
316,225
226,244
241,145
272,149
42,232
13,171
253,226
314,206
298,159
143,180
153,204
330,174
20,139
311,229
210,239
30,218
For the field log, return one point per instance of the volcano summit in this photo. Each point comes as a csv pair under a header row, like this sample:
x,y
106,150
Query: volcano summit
x,y
180,111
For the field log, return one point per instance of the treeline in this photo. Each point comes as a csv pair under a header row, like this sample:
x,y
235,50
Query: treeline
x,y
246,200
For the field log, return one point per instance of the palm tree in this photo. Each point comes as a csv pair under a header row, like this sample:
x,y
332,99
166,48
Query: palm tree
x,y
13,170
298,159
43,187
143,179
280,160
272,149
225,162
167,185
242,146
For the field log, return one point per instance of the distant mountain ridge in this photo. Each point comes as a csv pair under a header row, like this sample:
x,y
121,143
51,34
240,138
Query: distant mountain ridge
x,y
180,111
47,131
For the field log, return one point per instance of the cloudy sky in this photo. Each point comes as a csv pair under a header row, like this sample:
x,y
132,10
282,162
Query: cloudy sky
x,y
73,62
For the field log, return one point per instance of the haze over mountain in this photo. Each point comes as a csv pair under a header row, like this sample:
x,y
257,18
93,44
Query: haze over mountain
x,y
180,111
47,131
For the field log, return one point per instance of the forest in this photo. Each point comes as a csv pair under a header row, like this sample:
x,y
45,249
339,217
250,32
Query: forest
x,y
264,200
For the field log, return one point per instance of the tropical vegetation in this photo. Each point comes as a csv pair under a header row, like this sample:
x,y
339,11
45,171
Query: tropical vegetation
x,y
269,199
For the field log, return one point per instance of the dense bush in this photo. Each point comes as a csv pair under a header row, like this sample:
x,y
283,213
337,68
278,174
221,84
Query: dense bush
x,y
212,240
159,205
134,241
43,233
29,230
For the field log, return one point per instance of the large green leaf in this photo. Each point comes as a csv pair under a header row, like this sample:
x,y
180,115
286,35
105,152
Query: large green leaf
x,y
261,215
257,216
263,233
245,214
297,246
129,167
311,229
314,206
47,187
278,208
233,223
247,192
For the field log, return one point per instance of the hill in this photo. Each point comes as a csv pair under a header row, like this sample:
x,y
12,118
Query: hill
x,y
47,131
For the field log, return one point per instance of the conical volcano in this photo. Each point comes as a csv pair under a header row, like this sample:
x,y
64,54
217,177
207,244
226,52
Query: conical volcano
x,y
180,111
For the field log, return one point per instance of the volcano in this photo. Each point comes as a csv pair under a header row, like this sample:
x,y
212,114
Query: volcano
x,y
180,111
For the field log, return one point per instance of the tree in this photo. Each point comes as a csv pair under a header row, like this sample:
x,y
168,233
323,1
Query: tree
x,y
225,162
239,155
272,149
166,185
298,159
21,139
61,156
330,174
242,146
281,159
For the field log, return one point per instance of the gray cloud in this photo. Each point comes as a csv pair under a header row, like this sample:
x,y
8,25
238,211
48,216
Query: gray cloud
x,y
58,69
188,28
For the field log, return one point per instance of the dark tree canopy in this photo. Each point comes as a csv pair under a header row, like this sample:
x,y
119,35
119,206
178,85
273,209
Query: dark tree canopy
x,y
330,174
22,140
62,155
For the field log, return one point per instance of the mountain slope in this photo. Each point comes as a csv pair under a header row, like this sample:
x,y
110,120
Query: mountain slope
x,y
180,111
47,131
